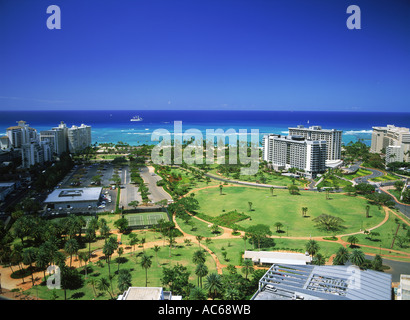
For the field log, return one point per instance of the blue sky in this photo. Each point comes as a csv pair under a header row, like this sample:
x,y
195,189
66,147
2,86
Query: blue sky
x,y
205,54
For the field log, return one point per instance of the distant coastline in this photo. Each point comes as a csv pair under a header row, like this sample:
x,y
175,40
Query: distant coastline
x,y
115,125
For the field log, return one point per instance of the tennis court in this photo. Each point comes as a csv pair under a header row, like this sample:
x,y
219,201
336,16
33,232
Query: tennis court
x,y
141,220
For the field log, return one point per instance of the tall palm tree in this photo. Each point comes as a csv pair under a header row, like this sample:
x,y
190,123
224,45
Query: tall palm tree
x,y
201,271
156,249
104,285
71,247
213,283
247,267
244,237
29,258
109,247
83,256
93,282
199,239
146,264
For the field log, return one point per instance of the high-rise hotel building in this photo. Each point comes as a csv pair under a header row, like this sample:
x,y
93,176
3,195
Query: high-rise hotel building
x,y
285,152
79,138
332,137
395,141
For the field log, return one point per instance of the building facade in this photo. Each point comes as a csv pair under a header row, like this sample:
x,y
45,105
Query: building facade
x,y
391,136
20,134
78,138
295,152
332,137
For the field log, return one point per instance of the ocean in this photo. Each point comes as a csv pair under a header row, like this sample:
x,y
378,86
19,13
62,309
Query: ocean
x,y
114,126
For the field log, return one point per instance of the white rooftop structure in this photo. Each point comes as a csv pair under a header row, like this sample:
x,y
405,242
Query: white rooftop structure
x,y
74,195
269,257
147,293
310,282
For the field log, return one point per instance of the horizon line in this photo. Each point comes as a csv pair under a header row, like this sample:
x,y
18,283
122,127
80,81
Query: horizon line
x,y
234,110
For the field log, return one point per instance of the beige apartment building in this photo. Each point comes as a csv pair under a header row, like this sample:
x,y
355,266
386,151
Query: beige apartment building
x,y
394,140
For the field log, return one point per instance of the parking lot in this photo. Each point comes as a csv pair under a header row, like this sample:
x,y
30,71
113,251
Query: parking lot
x,y
82,176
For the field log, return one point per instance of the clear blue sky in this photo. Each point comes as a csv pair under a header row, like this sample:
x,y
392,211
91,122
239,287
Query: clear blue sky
x,y
205,54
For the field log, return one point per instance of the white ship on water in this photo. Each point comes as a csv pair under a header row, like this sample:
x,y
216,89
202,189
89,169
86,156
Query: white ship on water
x,y
136,118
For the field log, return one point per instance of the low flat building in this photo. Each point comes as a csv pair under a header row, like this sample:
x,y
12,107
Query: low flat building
x,y
74,198
271,257
310,282
147,293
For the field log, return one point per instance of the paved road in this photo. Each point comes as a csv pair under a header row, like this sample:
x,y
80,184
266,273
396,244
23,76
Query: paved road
x,y
129,192
375,174
151,178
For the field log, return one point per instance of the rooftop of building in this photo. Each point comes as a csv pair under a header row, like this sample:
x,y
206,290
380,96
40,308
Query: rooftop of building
x,y
143,293
277,257
74,194
311,282
313,128
392,128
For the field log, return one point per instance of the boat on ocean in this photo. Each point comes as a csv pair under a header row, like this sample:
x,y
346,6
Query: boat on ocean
x,y
136,118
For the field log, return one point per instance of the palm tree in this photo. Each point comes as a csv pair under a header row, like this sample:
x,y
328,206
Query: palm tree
x,y
250,205
199,239
93,282
221,188
231,294
342,256
29,257
108,250
244,237
357,257
83,256
271,190
104,285
71,247
146,264
319,259
353,240
278,225
197,294
213,283
201,271
367,211
124,280
198,257
156,249
120,251
247,267
304,211
312,247
89,237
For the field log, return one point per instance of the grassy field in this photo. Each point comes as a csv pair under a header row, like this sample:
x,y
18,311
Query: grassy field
x,y
387,232
272,178
359,173
287,209
179,254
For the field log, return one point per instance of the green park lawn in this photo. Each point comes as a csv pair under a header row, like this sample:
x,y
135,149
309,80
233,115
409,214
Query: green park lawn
x,y
287,209
387,232
181,254
197,227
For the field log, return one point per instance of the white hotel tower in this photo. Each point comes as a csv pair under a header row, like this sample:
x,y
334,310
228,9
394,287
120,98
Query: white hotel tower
x,y
295,152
